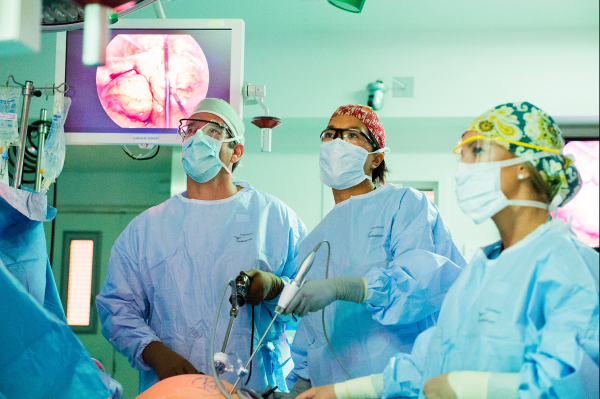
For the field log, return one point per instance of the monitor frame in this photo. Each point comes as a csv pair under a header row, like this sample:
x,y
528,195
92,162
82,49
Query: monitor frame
x,y
236,81
586,138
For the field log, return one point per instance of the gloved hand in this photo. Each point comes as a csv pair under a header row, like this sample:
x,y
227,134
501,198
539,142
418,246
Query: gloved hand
x,y
165,362
300,386
315,295
263,286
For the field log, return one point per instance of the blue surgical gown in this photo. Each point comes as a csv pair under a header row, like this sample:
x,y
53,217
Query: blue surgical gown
x,y
396,239
530,309
23,244
39,354
167,271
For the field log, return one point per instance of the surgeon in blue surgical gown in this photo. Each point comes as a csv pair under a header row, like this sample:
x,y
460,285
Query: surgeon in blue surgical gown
x,y
169,266
392,261
521,321
39,354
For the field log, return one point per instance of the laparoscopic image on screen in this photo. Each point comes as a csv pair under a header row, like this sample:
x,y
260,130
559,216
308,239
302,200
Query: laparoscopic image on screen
x,y
152,81
152,78
582,211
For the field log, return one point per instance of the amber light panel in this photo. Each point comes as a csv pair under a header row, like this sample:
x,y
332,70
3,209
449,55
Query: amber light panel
x,y
80,282
430,195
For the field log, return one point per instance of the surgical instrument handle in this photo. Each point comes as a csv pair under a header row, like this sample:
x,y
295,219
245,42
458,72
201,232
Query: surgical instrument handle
x,y
307,264
240,290
286,296
290,290
304,268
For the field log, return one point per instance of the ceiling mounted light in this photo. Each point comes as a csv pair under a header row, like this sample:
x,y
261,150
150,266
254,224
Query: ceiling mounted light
x,y
349,5
62,15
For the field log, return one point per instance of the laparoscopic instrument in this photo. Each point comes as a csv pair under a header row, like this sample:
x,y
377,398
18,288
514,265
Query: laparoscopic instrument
x,y
239,290
286,297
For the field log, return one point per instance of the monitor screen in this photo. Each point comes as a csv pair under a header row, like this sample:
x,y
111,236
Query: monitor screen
x,y
582,211
156,72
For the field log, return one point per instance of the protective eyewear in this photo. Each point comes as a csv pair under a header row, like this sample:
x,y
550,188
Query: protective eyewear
x,y
480,148
350,135
189,127
458,148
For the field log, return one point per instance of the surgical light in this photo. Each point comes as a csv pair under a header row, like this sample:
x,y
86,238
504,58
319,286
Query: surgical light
x,y
349,5
96,21
62,15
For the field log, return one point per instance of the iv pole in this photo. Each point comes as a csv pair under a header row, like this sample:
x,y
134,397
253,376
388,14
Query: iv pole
x,y
43,127
27,92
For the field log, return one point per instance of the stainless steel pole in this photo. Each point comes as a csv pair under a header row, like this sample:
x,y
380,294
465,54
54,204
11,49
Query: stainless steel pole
x,y
42,132
27,92
254,353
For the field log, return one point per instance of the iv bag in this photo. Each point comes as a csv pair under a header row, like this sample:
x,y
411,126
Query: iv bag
x,y
53,157
9,99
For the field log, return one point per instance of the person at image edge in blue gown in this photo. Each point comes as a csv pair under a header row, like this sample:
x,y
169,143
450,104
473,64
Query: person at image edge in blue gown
x,y
521,321
392,260
167,269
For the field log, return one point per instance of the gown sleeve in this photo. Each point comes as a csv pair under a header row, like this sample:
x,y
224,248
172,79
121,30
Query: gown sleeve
x,y
425,264
123,304
40,355
564,311
299,356
402,377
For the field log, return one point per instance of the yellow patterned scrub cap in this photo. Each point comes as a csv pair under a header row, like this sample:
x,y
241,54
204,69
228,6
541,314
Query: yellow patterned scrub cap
x,y
522,128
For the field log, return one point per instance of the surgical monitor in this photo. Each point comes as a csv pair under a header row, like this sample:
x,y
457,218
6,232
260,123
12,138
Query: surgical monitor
x,y
582,211
156,72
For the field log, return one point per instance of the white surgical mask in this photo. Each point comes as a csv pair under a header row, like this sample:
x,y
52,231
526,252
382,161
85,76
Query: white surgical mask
x,y
342,164
201,159
478,188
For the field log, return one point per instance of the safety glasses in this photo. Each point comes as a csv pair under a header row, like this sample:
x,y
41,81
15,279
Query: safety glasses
x,y
457,150
189,127
353,136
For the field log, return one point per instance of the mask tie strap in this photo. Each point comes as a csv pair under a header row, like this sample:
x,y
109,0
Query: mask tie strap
x,y
532,204
522,159
525,158
236,138
385,150
229,141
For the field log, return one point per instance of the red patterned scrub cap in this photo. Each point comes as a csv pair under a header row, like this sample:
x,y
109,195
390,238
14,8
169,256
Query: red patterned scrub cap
x,y
367,116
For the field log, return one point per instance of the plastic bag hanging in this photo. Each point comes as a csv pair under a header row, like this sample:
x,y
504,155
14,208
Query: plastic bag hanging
x,y
9,130
9,126
53,157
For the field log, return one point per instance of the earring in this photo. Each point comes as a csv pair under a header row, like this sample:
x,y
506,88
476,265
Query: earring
x,y
521,176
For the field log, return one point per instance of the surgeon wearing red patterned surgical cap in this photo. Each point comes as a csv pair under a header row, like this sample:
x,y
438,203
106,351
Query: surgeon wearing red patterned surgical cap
x,y
391,261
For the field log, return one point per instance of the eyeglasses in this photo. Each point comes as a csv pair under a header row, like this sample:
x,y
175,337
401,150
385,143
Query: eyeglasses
x,y
458,149
189,127
353,136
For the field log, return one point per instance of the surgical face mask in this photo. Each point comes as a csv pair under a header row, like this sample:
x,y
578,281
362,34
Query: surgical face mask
x,y
478,188
201,157
342,164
